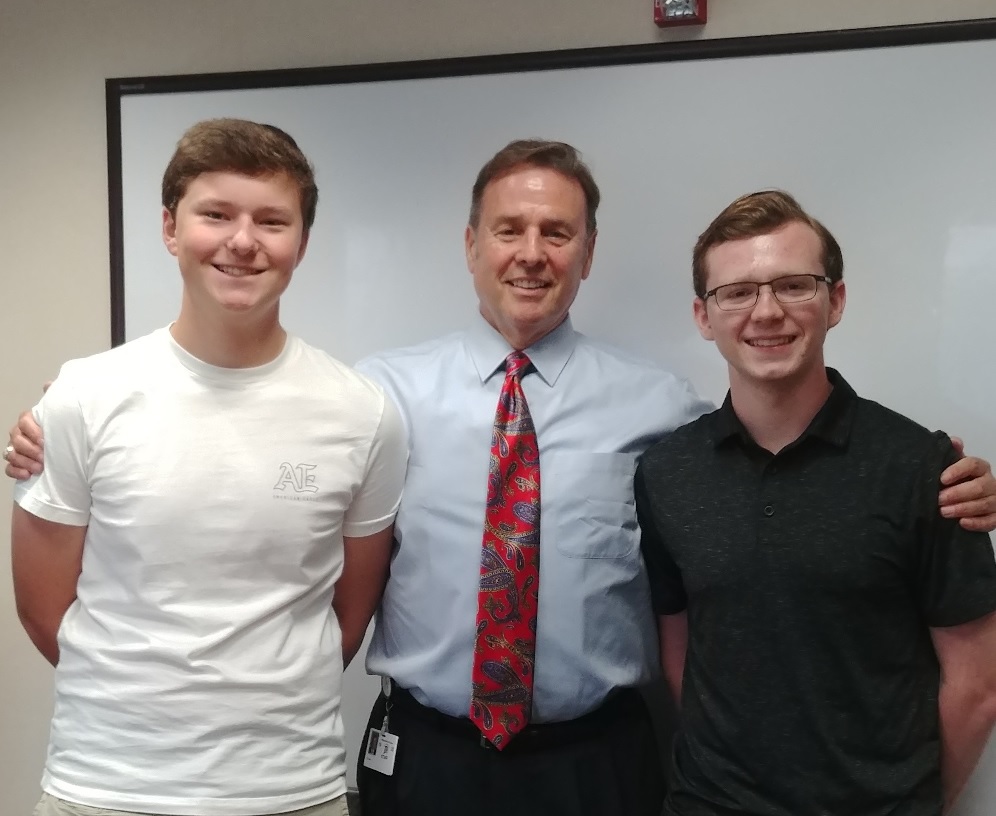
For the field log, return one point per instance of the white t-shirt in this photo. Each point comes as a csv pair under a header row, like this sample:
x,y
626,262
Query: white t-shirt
x,y
200,666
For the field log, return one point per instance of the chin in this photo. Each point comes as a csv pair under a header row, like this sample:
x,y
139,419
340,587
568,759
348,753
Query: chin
x,y
768,375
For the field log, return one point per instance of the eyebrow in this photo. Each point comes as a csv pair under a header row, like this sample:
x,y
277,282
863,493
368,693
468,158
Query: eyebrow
x,y
224,203
556,223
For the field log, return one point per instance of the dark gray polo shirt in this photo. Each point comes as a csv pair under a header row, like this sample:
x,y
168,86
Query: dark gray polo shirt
x,y
811,579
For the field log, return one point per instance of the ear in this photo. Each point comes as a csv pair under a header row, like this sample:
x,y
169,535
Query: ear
x,y
169,232
701,315
470,247
590,255
838,296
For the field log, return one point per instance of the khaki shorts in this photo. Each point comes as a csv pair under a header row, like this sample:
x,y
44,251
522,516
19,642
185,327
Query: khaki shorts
x,y
52,806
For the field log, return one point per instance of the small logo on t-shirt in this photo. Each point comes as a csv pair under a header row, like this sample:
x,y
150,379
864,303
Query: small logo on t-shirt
x,y
299,478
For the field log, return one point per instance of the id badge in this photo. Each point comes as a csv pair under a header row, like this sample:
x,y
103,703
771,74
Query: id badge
x,y
381,750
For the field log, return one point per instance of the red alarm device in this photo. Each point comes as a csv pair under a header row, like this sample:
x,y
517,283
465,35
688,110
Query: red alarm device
x,y
669,13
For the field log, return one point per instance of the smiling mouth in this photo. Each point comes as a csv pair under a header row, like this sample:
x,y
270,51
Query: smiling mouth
x,y
237,271
770,342
528,285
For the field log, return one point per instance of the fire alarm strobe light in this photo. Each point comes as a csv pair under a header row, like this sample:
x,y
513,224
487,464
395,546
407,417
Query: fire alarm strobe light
x,y
669,13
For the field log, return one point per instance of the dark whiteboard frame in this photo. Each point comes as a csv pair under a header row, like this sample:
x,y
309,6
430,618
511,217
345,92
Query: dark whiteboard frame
x,y
768,45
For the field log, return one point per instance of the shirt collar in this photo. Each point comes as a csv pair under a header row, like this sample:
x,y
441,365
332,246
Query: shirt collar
x,y
488,349
832,422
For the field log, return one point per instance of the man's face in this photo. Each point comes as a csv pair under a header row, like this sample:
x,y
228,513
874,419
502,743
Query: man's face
x,y
237,240
529,252
772,343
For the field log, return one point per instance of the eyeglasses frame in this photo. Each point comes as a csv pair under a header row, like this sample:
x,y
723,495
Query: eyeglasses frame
x,y
770,284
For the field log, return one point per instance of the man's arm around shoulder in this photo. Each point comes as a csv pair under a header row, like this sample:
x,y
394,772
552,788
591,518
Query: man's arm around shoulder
x,y
46,559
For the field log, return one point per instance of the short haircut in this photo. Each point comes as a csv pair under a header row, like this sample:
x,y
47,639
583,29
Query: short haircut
x,y
758,214
238,146
558,156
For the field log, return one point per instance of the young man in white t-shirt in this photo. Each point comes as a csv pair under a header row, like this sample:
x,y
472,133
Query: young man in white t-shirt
x,y
212,530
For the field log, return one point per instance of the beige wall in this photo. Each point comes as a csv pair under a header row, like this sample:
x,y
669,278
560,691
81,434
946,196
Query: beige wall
x,y
54,57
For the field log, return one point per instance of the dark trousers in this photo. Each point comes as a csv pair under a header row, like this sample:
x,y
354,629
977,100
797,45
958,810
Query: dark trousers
x,y
605,764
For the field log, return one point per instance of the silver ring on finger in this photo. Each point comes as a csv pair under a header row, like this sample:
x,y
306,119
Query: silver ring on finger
x,y
7,452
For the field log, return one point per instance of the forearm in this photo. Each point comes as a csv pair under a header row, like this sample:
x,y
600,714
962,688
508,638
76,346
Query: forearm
x,y
967,716
46,559
359,588
673,673
353,628
674,645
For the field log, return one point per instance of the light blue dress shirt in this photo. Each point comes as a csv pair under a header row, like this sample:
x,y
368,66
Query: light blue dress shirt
x,y
596,410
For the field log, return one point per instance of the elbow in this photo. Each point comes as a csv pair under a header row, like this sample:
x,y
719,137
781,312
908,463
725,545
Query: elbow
x,y
48,647
984,696
975,696
987,704
30,621
40,633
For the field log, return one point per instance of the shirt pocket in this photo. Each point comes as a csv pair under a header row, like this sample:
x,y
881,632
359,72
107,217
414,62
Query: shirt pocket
x,y
591,511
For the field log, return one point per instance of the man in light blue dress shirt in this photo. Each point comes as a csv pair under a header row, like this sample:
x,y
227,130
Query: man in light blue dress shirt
x,y
588,749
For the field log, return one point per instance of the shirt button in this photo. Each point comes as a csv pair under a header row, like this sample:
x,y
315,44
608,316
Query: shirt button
x,y
769,510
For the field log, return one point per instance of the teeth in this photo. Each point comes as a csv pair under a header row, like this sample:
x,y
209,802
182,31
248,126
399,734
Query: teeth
x,y
779,341
236,271
528,284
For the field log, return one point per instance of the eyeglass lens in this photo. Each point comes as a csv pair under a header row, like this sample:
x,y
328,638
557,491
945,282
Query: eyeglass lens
x,y
788,289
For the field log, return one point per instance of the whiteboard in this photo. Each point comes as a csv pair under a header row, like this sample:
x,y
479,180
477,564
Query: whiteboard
x,y
888,137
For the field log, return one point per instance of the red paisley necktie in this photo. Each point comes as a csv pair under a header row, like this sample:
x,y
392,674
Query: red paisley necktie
x,y
509,590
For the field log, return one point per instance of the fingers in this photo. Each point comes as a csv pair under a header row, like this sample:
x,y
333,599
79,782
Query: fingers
x,y
28,430
980,488
956,442
982,524
15,472
19,466
979,524
973,499
968,467
972,506
25,458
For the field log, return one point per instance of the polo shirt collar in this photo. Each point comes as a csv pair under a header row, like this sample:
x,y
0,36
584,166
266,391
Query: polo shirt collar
x,y
832,422
488,349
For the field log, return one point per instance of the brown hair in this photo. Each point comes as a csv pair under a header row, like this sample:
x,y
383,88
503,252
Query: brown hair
x,y
558,156
238,146
757,214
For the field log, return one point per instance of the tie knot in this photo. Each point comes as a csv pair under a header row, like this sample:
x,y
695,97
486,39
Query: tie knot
x,y
516,364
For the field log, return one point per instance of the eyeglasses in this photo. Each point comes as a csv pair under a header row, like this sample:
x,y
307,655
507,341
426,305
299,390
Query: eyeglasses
x,y
786,289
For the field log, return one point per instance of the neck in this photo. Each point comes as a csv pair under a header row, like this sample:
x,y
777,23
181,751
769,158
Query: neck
x,y
245,345
520,339
776,414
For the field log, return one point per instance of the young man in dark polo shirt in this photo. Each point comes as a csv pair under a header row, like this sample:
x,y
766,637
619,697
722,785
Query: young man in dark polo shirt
x,y
831,638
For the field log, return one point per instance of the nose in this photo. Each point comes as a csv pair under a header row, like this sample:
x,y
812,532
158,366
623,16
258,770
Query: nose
x,y
243,238
767,306
531,251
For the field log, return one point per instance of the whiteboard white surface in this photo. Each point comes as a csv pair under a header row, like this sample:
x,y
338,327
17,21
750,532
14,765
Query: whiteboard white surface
x,y
894,149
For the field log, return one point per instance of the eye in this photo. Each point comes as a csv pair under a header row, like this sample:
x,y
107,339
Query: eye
x,y
738,291
793,285
214,215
